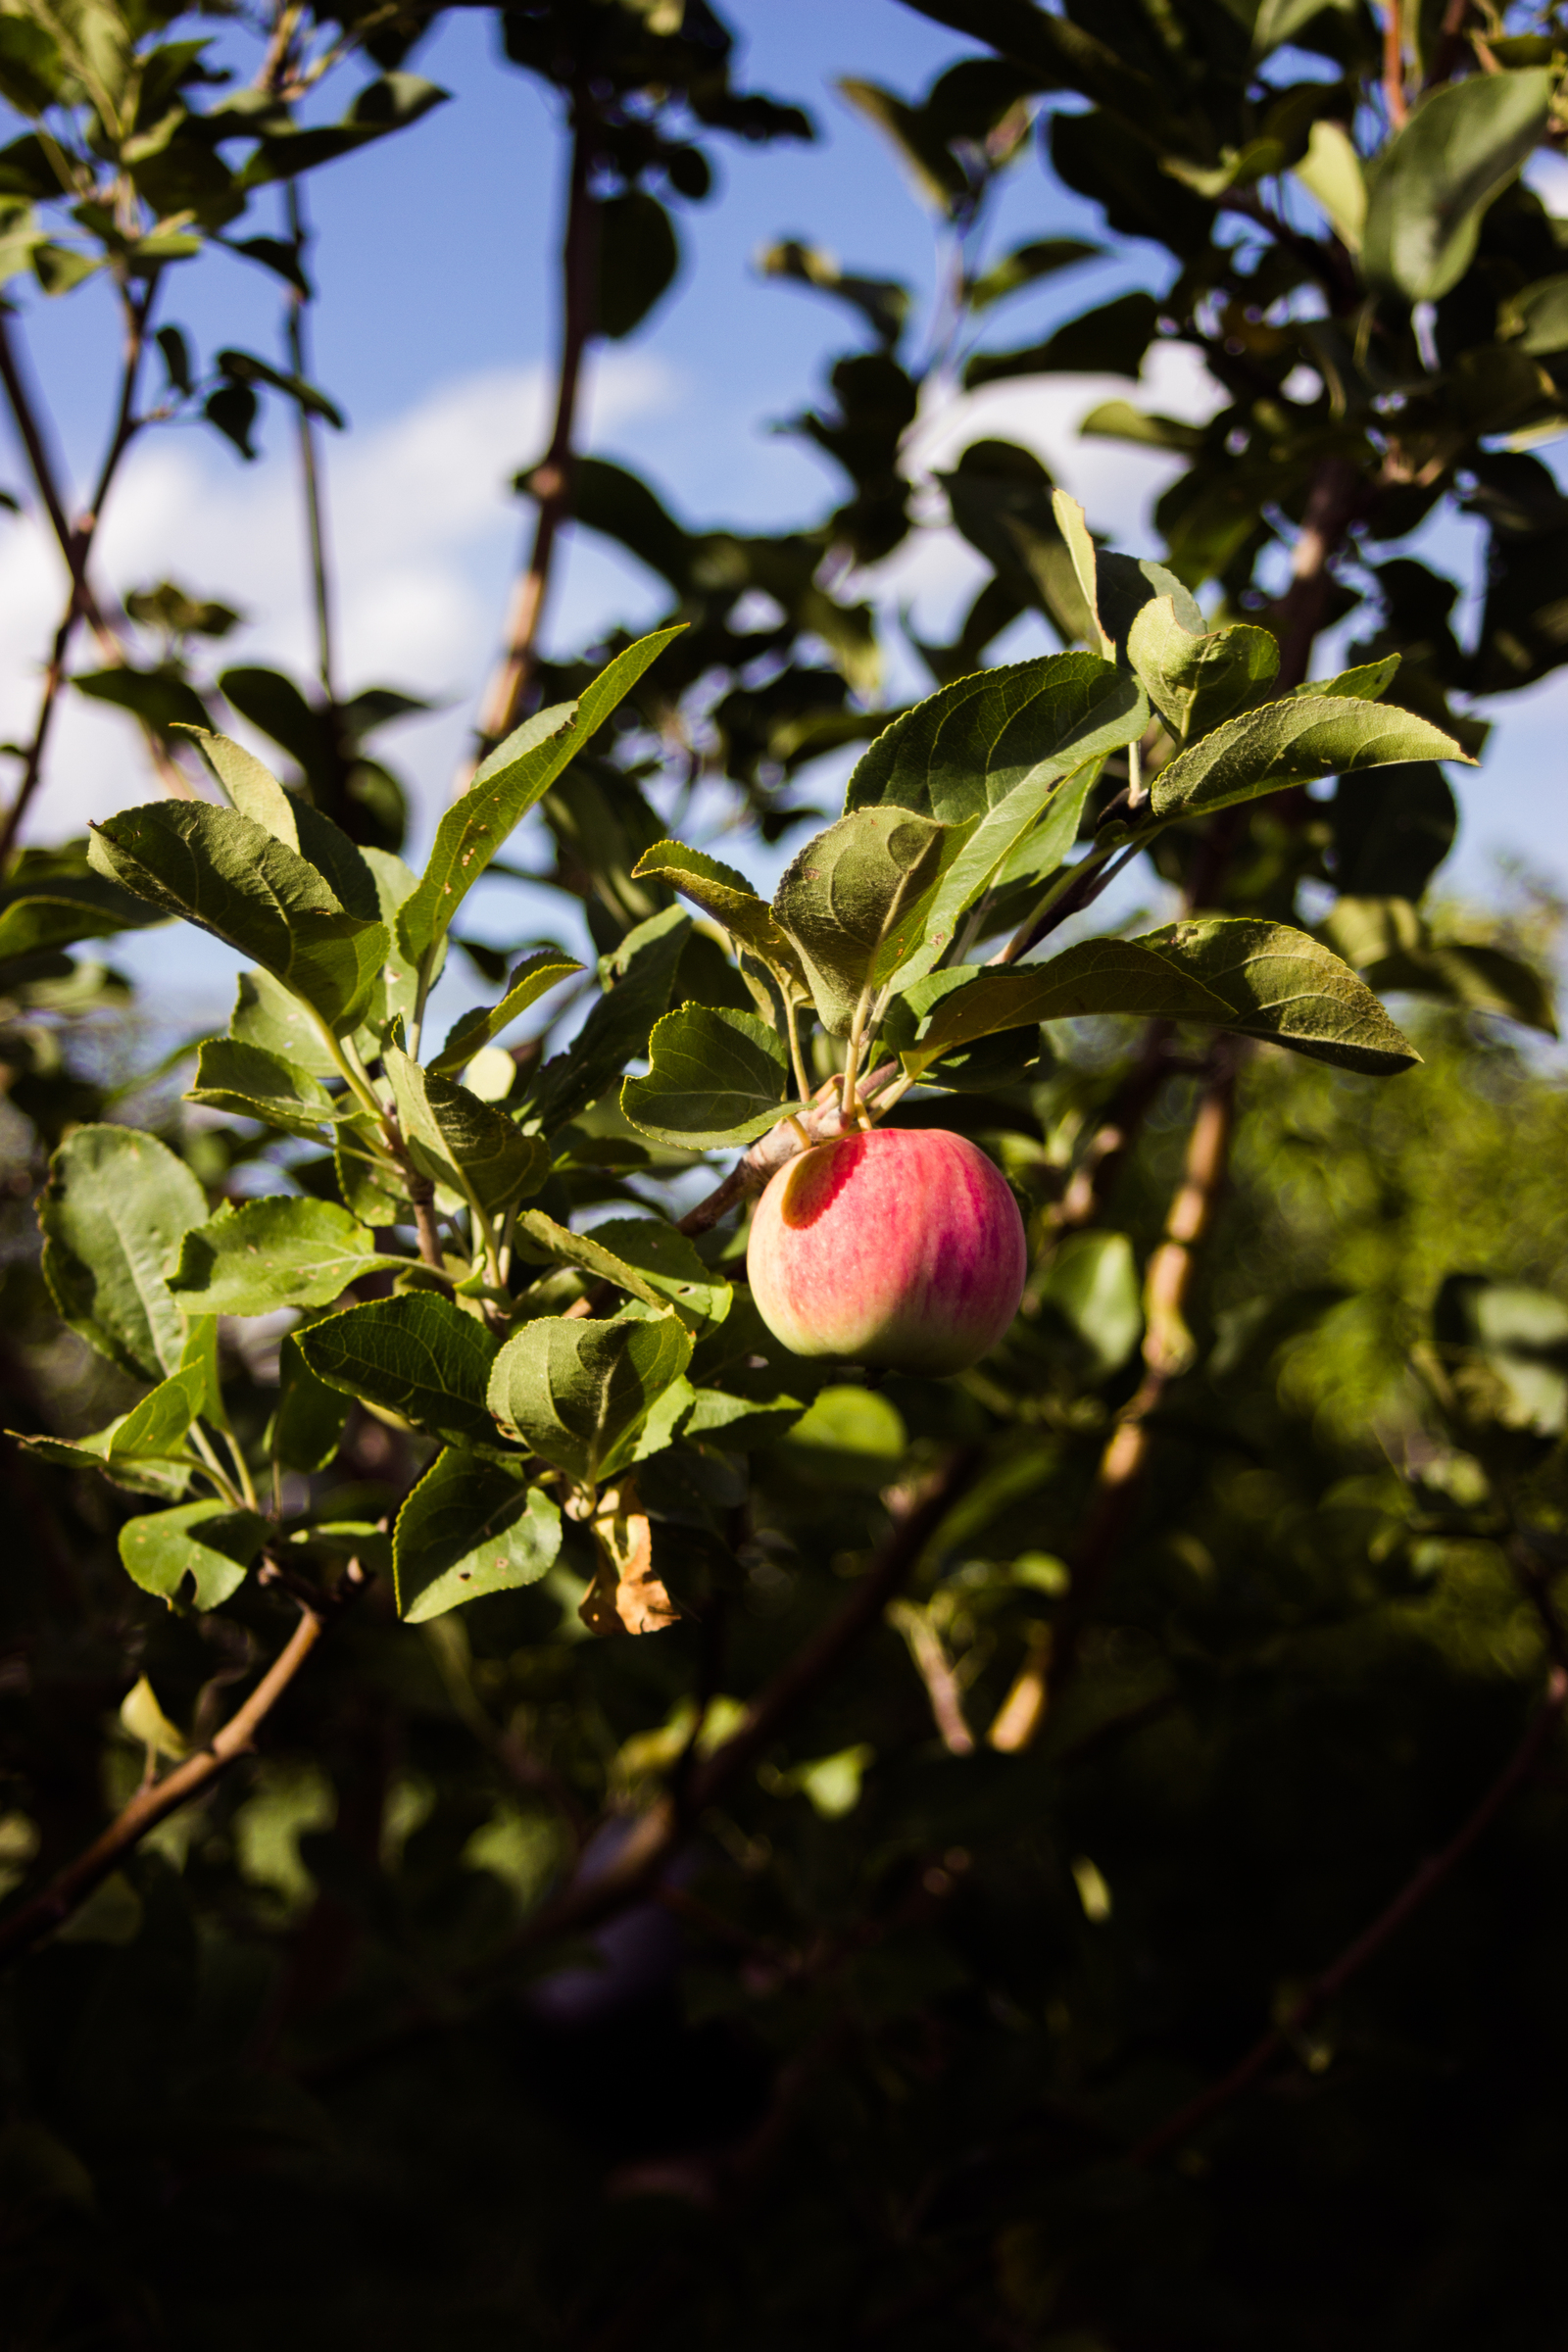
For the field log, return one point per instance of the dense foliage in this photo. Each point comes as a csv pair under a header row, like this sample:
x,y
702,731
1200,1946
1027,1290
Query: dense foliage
x,y
527,1812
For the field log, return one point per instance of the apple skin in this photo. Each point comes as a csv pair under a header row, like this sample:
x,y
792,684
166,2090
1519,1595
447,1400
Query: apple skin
x,y
901,1248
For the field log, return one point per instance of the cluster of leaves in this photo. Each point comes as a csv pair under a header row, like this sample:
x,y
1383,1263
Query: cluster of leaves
x,y
926,1963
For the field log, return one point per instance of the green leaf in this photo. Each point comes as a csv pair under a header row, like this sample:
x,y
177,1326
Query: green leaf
x,y
1293,742
161,699
115,1204
637,980
962,751
228,876
1119,420
578,1392
1111,340
639,255
670,1262
1092,1284
1368,682
267,1016
458,1141
883,302
1387,942
564,1247
725,895
1011,835
62,906
308,1428
274,1253
533,978
469,1528
953,1008
143,1449
934,170
1393,829
717,1076
1333,173
1430,185
1288,987
1073,526
1026,266
1196,682
207,1541
854,902
417,1355
254,1083
517,775
1043,850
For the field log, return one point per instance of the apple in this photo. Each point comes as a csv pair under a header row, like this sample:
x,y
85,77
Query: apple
x,y
901,1247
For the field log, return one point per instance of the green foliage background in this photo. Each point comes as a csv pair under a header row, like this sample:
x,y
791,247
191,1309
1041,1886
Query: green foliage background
x,y
858,1863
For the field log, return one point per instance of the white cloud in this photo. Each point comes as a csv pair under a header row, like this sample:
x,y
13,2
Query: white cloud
x,y
936,573
424,533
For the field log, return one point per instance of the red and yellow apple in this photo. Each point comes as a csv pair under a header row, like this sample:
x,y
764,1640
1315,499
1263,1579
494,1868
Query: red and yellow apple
x,y
901,1247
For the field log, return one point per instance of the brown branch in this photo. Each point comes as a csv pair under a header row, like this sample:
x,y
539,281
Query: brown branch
x,y
71,1887
1167,1352
1336,498
934,1669
655,1837
1393,63
1449,45
1332,1982
753,1171
552,479
75,542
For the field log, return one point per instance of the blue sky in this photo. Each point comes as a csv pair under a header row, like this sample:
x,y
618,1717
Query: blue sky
x,y
436,330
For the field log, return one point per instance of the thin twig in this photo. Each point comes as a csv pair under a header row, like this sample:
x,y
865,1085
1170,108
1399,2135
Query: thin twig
x,y
299,362
75,542
552,479
1332,1982
71,1887
755,1170
1393,63
934,1669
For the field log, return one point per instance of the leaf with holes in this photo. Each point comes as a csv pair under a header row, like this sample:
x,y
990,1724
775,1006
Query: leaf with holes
x,y
234,879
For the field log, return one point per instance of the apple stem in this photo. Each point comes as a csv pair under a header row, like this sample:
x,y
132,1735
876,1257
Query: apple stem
x,y
797,1060
791,1120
